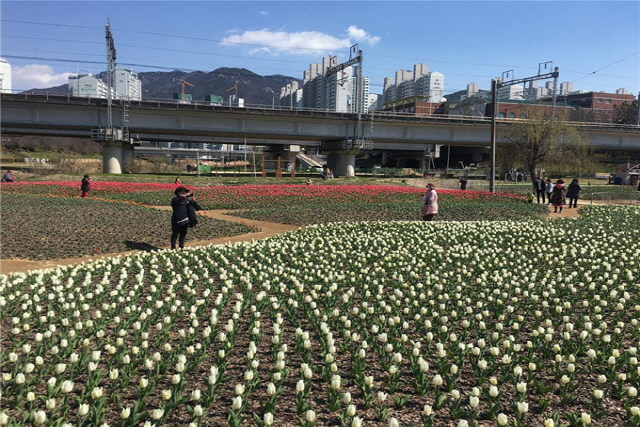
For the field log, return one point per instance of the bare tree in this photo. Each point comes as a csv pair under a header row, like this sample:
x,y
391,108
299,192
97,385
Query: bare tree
x,y
545,141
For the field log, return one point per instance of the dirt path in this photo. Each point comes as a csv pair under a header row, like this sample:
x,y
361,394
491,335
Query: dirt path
x,y
269,229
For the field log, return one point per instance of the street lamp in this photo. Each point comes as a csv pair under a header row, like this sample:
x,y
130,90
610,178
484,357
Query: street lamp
x,y
273,99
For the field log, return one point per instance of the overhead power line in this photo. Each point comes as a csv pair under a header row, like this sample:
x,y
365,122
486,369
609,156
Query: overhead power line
x,y
606,66
84,61
153,33
162,49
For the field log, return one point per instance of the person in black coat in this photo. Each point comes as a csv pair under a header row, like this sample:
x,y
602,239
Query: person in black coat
x,y
463,183
573,193
85,186
184,215
540,187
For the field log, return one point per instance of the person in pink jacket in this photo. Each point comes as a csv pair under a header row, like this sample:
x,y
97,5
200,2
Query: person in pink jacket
x,y
430,203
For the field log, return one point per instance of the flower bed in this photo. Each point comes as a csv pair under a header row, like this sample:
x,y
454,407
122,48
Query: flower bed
x,y
38,227
250,196
378,324
450,209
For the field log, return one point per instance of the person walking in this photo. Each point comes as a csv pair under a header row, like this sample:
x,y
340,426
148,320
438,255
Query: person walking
x,y
8,177
183,217
430,203
559,196
85,186
177,182
549,190
573,193
540,187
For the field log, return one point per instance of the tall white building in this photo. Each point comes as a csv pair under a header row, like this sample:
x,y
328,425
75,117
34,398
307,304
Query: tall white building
x,y
87,85
374,102
472,89
389,90
622,91
128,85
339,91
511,92
419,82
432,86
5,76
566,88
336,92
364,95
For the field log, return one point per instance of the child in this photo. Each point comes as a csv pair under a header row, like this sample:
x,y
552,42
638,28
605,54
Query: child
x,y
530,197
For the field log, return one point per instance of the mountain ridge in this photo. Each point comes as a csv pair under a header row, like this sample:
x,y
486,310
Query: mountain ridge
x,y
254,88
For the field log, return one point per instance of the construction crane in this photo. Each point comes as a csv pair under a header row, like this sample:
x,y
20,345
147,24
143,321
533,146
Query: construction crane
x,y
183,82
234,88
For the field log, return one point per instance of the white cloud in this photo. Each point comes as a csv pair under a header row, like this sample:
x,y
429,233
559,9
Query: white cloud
x,y
279,41
360,35
34,76
263,13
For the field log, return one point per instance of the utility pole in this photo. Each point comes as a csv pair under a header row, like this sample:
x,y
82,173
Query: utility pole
x,y
111,67
492,160
555,93
495,86
638,108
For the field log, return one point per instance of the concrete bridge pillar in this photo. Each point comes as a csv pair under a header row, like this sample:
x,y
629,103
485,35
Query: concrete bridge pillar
x,y
114,156
342,164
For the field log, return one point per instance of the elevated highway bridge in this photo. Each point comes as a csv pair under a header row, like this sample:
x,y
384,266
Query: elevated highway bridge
x,y
197,123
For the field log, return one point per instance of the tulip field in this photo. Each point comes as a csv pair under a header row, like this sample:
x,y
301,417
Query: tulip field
x,y
303,205
506,323
42,227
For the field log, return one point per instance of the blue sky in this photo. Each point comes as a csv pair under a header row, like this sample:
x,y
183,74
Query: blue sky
x,y
467,41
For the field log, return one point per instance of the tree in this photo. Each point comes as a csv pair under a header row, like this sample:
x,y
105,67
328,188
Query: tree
x,y
626,113
547,141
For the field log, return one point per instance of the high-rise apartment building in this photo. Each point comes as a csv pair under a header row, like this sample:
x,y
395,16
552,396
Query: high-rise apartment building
x,y
127,85
472,89
389,90
622,91
5,76
566,88
511,92
374,102
419,82
87,85
335,92
364,95
550,87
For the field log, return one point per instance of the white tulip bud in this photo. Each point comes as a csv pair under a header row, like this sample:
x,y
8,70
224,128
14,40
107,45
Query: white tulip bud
x,y
96,393
156,414
40,417
83,409
237,403
126,412
198,411
310,416
239,389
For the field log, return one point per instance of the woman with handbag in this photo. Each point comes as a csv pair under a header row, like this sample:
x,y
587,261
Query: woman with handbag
x,y
430,203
